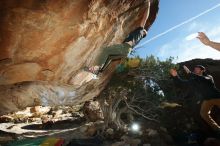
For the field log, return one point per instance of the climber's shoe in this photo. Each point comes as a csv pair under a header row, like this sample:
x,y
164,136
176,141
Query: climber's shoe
x,y
94,70
95,77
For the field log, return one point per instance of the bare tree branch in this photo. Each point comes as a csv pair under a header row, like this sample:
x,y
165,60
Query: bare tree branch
x,y
132,109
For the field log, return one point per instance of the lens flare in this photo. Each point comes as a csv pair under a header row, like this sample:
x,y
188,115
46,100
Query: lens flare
x,y
135,127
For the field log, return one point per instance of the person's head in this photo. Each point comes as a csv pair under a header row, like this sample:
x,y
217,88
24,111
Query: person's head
x,y
199,70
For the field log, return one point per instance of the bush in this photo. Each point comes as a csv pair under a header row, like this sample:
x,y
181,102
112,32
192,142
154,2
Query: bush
x,y
137,91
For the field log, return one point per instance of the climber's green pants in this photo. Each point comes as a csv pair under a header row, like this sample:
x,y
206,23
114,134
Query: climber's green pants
x,y
110,53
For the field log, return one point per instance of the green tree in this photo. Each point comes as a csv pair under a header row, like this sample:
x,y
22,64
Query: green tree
x,y
137,92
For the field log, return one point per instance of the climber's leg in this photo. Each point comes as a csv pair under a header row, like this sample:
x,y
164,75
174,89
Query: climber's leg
x,y
114,52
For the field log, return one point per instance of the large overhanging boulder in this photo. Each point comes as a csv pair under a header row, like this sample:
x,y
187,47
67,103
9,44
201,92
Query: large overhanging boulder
x,y
44,45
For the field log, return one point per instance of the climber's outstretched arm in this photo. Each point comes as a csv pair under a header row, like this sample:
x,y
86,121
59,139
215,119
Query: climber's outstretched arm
x,y
146,14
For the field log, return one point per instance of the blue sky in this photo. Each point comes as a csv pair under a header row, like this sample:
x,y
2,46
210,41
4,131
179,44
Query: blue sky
x,y
176,43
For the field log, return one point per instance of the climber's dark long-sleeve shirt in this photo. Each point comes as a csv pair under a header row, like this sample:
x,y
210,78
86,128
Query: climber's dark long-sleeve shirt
x,y
135,36
202,86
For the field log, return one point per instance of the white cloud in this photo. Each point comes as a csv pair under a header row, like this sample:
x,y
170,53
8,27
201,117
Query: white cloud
x,y
192,26
191,36
189,47
164,49
214,32
197,51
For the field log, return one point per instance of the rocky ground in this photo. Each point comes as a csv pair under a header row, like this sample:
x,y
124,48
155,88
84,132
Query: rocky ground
x,y
41,121
83,124
70,124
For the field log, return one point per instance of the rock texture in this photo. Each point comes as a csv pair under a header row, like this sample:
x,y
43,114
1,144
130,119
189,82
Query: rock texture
x,y
92,111
44,44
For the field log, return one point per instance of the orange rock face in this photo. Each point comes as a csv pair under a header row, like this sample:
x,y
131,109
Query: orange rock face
x,y
45,42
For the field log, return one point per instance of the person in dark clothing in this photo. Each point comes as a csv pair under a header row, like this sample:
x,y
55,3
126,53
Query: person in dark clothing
x,y
203,87
120,51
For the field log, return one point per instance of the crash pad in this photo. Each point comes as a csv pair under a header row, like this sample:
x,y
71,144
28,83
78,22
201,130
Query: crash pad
x,y
38,142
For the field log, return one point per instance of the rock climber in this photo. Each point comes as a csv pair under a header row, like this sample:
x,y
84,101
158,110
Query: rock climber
x,y
119,51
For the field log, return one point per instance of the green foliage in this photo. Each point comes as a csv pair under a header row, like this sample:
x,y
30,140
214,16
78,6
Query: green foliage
x,y
142,88
158,71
